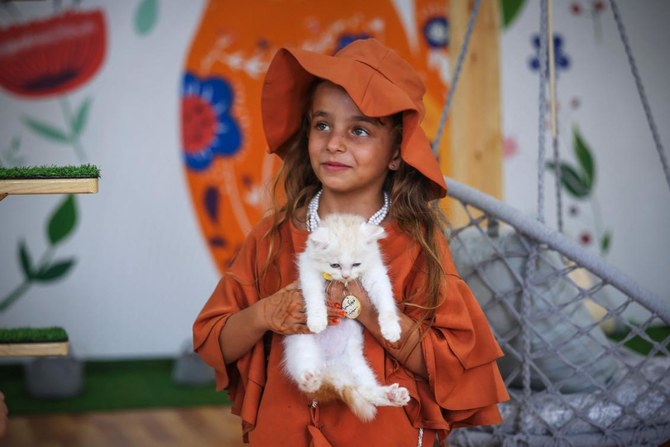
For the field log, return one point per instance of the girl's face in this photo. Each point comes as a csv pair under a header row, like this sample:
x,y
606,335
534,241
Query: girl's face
x,y
349,152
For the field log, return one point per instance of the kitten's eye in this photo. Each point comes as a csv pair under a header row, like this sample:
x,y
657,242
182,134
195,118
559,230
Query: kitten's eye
x,y
356,264
335,266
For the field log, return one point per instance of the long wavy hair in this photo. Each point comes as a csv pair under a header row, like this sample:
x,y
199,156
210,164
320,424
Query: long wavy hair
x,y
413,211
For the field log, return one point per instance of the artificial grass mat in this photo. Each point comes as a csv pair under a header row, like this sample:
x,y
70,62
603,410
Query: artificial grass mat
x,y
33,335
111,385
40,172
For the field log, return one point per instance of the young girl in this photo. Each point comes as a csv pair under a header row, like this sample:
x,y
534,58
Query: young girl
x,y
348,127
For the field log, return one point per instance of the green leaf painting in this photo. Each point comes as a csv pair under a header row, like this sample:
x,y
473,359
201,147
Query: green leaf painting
x,y
605,242
79,120
46,130
62,221
510,9
54,271
60,224
579,180
146,16
584,157
571,180
26,262
75,121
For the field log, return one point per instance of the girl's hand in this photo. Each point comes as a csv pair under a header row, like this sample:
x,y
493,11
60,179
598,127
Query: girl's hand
x,y
284,312
336,293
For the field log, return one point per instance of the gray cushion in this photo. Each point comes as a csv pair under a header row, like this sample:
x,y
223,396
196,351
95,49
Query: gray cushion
x,y
634,411
568,348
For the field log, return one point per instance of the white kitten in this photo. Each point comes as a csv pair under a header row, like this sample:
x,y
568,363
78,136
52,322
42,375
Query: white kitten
x,y
330,363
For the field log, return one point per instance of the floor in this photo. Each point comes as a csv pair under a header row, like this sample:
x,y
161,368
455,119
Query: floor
x,y
200,426
170,427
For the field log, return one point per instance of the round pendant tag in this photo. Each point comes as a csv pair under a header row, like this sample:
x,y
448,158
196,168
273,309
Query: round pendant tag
x,y
351,306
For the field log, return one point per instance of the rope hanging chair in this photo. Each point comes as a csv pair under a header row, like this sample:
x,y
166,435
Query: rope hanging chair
x,y
550,304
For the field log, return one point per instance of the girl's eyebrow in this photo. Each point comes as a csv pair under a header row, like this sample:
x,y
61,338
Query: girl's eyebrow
x,y
320,113
366,119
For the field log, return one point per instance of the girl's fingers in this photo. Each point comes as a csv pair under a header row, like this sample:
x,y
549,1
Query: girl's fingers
x,y
335,312
292,286
335,291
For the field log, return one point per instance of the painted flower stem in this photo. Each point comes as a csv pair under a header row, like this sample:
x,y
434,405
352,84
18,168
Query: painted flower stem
x,y
15,295
23,287
74,136
597,221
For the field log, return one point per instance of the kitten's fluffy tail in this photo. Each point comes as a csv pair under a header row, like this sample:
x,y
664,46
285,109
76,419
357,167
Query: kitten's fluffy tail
x,y
360,406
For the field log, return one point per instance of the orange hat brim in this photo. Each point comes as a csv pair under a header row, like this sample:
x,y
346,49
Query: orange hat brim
x,y
292,71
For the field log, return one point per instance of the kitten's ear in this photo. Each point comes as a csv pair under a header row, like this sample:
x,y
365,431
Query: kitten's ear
x,y
320,237
373,232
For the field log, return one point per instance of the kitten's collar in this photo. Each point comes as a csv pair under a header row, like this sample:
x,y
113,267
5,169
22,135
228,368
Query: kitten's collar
x,y
313,212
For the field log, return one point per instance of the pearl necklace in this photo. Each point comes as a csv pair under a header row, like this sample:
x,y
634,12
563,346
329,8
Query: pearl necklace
x,y
313,212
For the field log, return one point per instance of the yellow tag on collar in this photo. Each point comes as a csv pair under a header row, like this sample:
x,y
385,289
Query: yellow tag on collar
x,y
327,276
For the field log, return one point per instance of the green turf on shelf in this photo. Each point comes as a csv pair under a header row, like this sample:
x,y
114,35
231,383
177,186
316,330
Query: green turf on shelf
x,y
33,335
40,172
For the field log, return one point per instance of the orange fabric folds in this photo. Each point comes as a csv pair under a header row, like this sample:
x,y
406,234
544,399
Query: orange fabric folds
x,y
463,384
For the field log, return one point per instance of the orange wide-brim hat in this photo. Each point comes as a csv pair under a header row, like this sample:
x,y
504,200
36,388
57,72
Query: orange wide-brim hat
x,y
378,80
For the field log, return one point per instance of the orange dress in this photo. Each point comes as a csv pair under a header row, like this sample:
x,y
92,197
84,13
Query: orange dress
x,y
460,352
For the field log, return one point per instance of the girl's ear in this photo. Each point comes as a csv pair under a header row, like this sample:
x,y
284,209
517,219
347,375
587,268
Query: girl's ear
x,y
394,164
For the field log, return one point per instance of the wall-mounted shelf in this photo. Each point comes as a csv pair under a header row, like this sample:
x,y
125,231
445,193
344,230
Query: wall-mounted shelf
x,y
30,342
19,342
48,186
33,349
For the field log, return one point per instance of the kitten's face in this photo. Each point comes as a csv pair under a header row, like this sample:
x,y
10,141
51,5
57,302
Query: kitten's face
x,y
342,245
340,262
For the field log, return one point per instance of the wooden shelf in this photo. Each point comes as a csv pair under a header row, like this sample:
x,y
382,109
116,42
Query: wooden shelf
x,y
33,349
52,185
48,186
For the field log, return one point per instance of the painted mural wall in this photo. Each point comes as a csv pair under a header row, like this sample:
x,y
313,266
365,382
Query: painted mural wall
x,y
163,96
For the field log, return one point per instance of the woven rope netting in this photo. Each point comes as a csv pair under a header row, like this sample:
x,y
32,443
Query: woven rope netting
x,y
586,361
562,324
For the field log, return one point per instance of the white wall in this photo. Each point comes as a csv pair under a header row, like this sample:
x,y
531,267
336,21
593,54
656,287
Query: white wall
x,y
631,191
143,270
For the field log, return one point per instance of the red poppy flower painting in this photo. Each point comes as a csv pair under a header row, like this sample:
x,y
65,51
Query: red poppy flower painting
x,y
53,56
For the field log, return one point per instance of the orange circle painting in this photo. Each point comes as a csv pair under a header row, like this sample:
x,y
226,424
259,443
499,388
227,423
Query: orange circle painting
x,y
224,151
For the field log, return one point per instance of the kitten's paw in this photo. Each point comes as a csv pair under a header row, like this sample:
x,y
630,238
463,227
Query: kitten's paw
x,y
390,328
309,382
397,395
387,396
317,323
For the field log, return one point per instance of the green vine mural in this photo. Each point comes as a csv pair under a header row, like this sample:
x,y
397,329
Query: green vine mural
x,y
60,225
146,17
11,156
76,123
578,180
510,10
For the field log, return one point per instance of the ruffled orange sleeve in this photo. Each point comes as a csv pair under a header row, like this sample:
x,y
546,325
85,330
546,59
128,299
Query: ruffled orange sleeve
x,y
464,383
245,378
460,354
